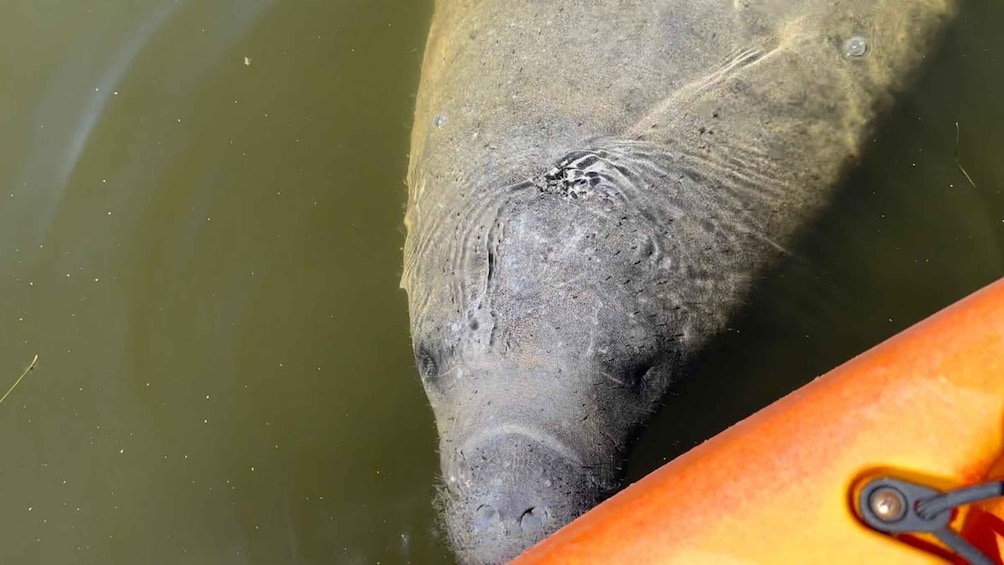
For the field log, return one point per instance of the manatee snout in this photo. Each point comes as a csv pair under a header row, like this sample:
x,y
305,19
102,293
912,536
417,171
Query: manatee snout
x,y
505,492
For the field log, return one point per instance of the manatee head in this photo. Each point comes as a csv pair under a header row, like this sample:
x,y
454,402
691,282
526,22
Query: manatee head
x,y
548,318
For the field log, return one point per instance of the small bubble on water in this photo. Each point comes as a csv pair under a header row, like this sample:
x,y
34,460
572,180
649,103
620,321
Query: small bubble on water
x,y
439,121
855,46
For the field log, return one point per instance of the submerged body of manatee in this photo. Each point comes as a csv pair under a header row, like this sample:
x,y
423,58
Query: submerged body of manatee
x,y
593,189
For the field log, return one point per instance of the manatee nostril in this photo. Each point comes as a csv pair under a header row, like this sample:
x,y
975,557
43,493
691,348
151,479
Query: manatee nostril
x,y
486,517
532,520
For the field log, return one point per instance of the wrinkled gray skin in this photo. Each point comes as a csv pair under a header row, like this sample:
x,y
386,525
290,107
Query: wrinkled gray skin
x,y
593,188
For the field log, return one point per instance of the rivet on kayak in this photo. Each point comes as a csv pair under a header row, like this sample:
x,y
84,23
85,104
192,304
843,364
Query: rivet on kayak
x,y
888,504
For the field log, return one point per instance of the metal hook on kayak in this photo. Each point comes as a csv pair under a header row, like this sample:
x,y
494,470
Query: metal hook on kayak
x,y
895,506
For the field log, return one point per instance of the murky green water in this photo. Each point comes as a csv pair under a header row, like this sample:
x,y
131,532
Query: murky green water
x,y
200,231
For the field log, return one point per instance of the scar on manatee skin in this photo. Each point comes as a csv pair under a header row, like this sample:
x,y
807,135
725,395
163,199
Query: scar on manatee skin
x,y
957,163
23,373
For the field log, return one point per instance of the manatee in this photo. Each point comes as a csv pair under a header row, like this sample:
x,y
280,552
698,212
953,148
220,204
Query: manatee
x,y
593,189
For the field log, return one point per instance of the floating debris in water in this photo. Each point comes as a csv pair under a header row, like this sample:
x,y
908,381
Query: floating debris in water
x,y
856,47
25,372
959,164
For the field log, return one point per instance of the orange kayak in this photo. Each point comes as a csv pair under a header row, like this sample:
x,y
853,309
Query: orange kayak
x,y
788,484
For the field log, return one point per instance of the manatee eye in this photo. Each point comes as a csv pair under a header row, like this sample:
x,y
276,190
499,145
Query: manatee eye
x,y
653,372
637,372
428,368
